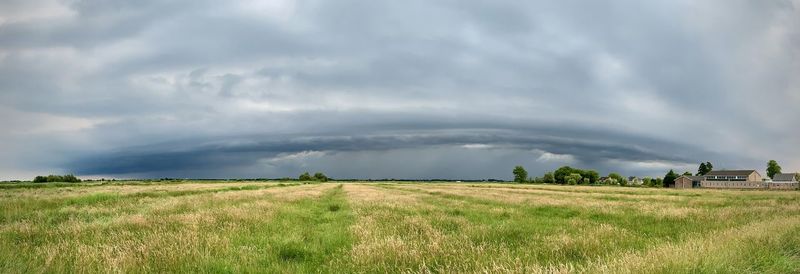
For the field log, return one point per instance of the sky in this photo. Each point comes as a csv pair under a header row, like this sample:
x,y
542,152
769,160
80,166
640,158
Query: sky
x,y
415,89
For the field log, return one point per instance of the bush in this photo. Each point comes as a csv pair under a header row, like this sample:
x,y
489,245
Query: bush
x,y
319,176
305,177
69,178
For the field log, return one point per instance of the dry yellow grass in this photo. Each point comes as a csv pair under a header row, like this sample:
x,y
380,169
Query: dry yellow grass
x,y
407,228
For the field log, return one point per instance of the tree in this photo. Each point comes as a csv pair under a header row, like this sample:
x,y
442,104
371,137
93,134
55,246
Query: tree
x,y
773,168
69,178
616,177
592,175
319,176
702,169
647,181
573,178
548,178
669,179
562,172
560,175
797,176
305,177
687,174
658,182
520,174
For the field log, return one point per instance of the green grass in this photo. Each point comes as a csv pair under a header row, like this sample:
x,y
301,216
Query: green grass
x,y
235,227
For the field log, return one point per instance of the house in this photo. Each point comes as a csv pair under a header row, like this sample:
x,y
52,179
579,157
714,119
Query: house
x,y
688,181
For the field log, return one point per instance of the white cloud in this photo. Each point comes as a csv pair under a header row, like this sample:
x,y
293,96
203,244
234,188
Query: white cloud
x,y
477,146
555,158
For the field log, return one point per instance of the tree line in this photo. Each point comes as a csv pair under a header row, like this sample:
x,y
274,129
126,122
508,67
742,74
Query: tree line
x,y
319,177
567,175
69,178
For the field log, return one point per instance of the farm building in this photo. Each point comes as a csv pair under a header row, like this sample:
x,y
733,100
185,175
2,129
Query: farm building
x,y
732,179
784,181
742,179
785,177
688,181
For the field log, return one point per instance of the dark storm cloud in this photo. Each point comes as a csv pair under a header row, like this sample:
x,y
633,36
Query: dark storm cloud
x,y
246,150
443,88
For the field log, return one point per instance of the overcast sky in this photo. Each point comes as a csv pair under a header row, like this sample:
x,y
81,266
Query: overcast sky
x,y
396,89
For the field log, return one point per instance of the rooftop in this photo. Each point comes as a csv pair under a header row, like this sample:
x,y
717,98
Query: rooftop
x,y
730,172
784,177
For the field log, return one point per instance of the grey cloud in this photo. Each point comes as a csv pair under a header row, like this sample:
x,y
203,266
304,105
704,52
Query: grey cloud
x,y
620,85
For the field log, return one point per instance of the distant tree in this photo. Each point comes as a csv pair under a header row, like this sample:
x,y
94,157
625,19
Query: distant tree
x,y
592,175
574,178
561,174
305,177
658,182
647,181
617,179
548,178
687,174
69,178
773,168
319,176
669,179
520,174
704,168
621,180
797,176
586,181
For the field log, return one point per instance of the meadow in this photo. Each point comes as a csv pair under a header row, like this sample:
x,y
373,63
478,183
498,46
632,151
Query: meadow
x,y
270,227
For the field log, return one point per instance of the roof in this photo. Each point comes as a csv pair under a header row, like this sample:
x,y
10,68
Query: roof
x,y
784,177
693,178
730,172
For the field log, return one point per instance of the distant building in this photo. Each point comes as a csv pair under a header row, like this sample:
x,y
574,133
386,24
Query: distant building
x,y
733,176
688,181
732,179
784,181
742,179
785,177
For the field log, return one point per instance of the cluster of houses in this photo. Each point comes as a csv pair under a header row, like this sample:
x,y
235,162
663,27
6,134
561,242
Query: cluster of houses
x,y
749,179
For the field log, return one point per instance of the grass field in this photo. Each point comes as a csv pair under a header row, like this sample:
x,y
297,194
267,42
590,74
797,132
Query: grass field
x,y
355,227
